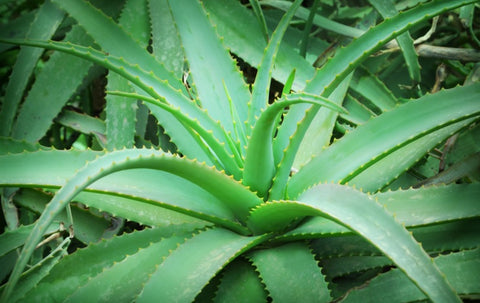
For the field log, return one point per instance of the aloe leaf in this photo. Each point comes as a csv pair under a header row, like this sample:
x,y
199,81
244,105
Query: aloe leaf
x,y
113,283
384,171
221,153
35,274
238,27
295,260
46,21
261,86
318,20
121,113
214,248
15,146
348,58
13,239
113,39
329,77
156,187
240,283
211,65
34,119
358,212
404,125
83,123
431,205
260,17
88,227
239,199
143,213
166,44
369,86
405,42
463,168
155,87
460,268
259,161
67,276
292,150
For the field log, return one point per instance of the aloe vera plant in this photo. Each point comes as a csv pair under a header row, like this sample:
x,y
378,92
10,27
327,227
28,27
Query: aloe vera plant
x,y
328,192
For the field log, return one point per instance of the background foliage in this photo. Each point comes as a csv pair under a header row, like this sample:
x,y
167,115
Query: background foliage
x,y
220,150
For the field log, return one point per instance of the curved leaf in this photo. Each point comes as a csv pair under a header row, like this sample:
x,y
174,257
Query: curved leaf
x,y
381,136
259,161
367,218
211,64
240,200
305,281
195,262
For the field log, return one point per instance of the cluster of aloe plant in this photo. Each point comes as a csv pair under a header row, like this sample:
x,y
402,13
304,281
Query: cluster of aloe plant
x,y
189,184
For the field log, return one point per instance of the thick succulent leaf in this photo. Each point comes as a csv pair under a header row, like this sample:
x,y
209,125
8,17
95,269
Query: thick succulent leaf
x,y
152,186
238,27
14,239
413,207
432,204
348,58
240,283
83,123
113,39
229,162
259,161
460,268
35,274
147,213
34,119
213,70
367,218
386,133
194,263
88,227
405,42
239,199
261,87
13,146
291,273
46,21
123,281
329,77
320,21
369,86
384,171
166,44
68,276
148,82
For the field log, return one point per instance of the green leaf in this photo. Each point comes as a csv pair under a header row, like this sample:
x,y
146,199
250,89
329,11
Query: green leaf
x,y
460,268
124,280
46,21
240,283
166,44
261,87
240,200
405,42
388,132
34,119
291,273
67,276
367,218
211,65
259,161
114,40
194,263
238,27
